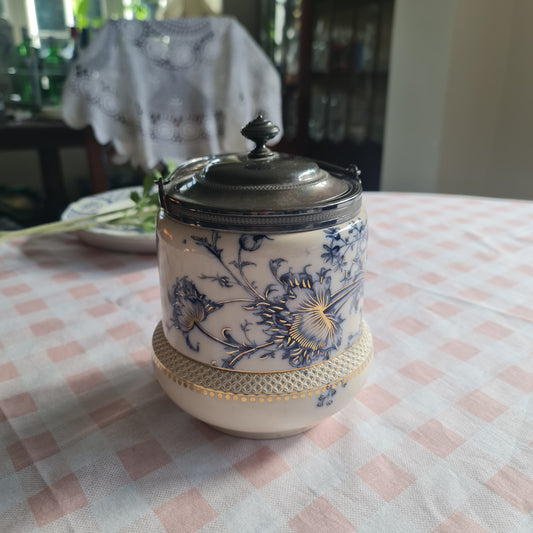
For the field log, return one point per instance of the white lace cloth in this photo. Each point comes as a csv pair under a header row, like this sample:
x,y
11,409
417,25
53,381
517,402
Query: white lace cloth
x,y
171,89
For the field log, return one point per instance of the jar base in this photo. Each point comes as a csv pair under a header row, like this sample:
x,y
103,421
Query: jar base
x,y
261,434
265,405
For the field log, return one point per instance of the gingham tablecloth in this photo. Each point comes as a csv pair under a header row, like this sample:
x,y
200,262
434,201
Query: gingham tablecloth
x,y
440,438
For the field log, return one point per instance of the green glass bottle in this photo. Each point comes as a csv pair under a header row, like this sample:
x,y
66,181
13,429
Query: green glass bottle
x,y
25,72
53,74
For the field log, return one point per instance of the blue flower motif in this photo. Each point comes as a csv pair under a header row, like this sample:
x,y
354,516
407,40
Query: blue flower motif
x,y
305,323
331,253
332,233
189,307
339,245
326,399
251,243
300,313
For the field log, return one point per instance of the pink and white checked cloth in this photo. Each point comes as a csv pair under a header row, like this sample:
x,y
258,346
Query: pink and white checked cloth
x,y
439,440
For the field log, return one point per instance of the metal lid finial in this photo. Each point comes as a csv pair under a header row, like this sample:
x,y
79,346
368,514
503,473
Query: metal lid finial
x,y
260,131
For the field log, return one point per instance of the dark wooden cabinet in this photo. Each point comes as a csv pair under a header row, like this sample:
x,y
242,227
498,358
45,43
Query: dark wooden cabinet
x,y
333,56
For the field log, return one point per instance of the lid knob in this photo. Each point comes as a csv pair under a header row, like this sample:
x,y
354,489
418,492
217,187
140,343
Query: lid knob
x,y
260,131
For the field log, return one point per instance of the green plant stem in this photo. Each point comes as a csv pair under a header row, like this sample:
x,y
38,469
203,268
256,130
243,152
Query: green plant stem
x,y
72,225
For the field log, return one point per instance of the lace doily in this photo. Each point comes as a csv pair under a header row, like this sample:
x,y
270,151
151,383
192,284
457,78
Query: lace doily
x,y
175,89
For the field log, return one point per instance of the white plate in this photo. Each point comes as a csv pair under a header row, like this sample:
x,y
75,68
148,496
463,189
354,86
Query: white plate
x,y
110,236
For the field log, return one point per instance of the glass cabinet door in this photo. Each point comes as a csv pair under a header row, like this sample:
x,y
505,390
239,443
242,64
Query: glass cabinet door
x,y
280,38
334,101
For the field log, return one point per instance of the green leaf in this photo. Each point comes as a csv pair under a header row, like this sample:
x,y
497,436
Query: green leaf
x,y
171,164
80,7
148,226
135,196
140,12
148,183
79,10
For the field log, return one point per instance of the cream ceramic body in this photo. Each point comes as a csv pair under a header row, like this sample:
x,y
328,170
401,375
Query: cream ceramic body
x,y
261,303
267,404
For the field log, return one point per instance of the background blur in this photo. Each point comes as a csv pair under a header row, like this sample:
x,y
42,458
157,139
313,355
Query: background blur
x,y
424,95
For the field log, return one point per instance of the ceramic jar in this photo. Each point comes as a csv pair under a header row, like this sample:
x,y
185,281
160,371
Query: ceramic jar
x,y
261,260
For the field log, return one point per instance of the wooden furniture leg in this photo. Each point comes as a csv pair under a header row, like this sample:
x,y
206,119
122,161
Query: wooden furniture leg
x,y
53,182
95,158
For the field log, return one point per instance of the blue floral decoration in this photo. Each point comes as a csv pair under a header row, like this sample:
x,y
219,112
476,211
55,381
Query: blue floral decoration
x,y
326,398
190,308
299,313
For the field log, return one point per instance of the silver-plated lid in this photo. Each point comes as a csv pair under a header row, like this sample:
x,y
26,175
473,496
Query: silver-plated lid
x,y
261,191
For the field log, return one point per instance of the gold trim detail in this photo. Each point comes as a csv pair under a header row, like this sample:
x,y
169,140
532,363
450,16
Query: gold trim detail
x,y
262,387
269,372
